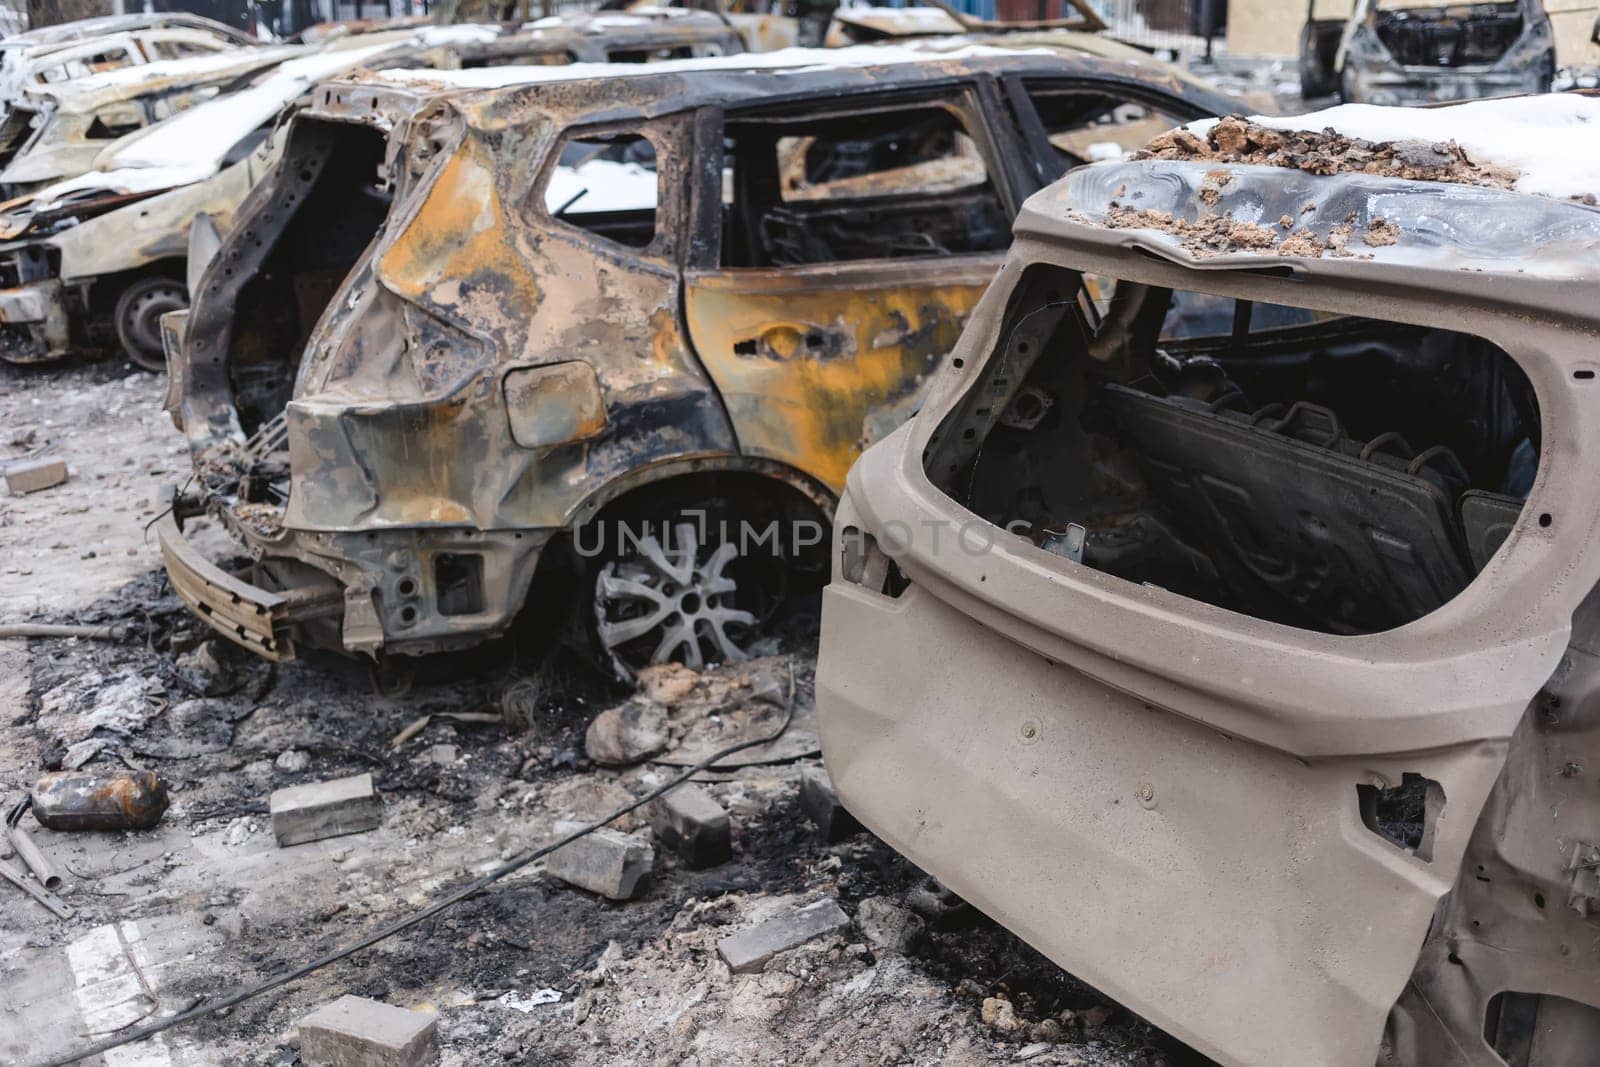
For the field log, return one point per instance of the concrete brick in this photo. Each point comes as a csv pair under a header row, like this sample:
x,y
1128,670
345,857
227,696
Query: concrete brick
x,y
31,475
606,862
822,806
693,825
302,813
357,1032
749,950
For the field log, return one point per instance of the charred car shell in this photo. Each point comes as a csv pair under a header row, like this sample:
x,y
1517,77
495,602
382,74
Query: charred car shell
x,y
1395,52
491,376
1230,640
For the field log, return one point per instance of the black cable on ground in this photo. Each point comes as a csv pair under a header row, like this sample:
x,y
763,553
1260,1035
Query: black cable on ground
x,y
428,912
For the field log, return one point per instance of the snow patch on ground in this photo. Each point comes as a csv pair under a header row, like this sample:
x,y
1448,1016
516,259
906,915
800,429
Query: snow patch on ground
x,y
1552,141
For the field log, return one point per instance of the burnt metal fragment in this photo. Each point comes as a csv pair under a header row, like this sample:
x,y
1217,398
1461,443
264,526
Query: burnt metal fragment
x,y
82,800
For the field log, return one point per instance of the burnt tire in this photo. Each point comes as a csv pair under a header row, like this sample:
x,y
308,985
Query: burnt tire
x,y
138,318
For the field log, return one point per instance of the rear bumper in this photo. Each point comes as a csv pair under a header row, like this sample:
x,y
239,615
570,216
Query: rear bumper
x,y
253,618
1413,86
1074,756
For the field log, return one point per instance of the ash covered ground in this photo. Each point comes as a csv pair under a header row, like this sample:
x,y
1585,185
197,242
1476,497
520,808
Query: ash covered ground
x,y
530,971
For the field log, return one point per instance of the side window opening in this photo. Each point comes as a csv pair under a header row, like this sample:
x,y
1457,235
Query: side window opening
x,y
1082,127
649,55
907,182
607,184
113,122
1340,475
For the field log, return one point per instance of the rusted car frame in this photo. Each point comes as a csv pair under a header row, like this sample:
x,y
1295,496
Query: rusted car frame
x,y
1224,625
494,372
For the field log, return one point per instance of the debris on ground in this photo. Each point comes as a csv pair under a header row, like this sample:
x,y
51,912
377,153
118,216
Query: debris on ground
x,y
357,1032
99,800
689,822
612,864
888,926
32,475
317,810
822,806
749,950
532,971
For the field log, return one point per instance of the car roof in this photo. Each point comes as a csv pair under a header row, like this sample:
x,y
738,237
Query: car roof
x,y
655,88
81,29
132,82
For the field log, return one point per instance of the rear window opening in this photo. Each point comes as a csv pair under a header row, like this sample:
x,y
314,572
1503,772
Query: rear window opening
x,y
1529,1029
1340,475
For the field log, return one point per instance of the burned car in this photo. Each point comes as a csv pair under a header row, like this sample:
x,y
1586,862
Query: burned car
x,y
54,132
1223,624
1398,52
56,54
436,377
100,258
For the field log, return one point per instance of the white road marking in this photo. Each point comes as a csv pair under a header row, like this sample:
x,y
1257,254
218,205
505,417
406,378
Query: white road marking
x,y
110,994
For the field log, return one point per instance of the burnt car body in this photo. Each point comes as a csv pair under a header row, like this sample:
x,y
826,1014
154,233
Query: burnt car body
x,y
699,283
1224,625
55,54
56,131
99,260
1400,52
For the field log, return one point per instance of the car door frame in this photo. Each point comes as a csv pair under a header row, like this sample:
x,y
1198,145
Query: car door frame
x,y
976,97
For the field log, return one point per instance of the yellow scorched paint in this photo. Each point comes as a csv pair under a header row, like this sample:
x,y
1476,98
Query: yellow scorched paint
x,y
813,410
460,233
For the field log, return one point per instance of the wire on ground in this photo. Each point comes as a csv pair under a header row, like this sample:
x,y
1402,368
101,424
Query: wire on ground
x,y
428,912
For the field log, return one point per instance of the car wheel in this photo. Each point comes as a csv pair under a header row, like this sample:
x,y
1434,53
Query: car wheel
x,y
138,318
671,599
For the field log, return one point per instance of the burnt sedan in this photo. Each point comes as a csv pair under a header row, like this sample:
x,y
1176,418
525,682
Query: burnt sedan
x,y
484,338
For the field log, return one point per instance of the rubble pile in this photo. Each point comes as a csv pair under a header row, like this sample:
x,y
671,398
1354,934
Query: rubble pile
x,y
1236,139
855,959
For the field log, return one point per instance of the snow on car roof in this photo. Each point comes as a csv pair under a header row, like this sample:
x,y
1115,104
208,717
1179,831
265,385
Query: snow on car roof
x,y
907,20
194,66
190,146
782,61
1551,141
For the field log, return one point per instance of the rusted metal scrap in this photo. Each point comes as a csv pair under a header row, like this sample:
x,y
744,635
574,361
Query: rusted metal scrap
x,y
60,908
81,800
27,850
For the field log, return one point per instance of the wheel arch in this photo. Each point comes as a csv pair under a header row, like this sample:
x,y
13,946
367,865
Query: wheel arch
x,y
658,478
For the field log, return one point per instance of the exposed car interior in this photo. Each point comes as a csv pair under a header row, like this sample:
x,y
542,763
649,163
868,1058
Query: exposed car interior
x,y
330,225
1341,475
